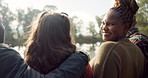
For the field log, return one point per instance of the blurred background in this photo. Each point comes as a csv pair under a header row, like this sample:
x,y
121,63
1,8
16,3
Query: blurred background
x,y
85,17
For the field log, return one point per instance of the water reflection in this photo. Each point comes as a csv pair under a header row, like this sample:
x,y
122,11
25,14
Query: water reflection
x,y
89,48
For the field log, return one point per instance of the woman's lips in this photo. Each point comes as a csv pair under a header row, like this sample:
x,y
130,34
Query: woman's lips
x,y
106,33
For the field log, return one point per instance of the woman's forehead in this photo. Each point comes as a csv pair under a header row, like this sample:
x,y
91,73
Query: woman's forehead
x,y
112,15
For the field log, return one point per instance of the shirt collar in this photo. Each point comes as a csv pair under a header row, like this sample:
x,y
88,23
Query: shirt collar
x,y
132,31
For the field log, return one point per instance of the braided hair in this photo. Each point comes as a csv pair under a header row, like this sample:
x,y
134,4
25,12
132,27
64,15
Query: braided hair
x,y
127,10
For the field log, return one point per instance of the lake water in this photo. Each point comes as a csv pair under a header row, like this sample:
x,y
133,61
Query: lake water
x,y
89,48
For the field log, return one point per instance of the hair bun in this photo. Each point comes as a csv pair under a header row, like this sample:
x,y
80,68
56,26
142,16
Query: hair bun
x,y
131,4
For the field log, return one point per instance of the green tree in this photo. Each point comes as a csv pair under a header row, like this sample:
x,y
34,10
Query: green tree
x,y
92,29
8,18
99,21
28,17
20,18
50,8
142,16
24,20
76,24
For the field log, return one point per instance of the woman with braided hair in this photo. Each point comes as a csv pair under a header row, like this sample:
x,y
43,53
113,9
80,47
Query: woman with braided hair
x,y
117,57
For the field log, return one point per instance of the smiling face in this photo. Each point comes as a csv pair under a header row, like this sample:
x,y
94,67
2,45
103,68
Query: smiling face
x,y
112,27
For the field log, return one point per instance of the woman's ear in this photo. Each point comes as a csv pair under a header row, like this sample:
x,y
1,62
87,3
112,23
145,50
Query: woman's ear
x,y
134,24
126,28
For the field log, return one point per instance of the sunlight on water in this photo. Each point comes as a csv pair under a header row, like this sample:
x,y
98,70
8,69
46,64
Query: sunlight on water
x,y
89,48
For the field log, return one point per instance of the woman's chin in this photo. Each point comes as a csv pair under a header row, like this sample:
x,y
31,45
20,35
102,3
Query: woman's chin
x,y
106,39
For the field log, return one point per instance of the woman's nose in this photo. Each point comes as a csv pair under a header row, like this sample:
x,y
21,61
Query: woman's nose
x,y
103,27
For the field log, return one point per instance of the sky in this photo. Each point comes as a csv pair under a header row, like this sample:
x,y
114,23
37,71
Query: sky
x,y
92,7
84,9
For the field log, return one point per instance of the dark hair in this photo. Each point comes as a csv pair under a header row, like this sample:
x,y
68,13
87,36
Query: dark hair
x,y
127,10
50,42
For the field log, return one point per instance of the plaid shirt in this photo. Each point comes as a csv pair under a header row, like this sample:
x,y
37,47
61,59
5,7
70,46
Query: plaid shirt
x,y
141,41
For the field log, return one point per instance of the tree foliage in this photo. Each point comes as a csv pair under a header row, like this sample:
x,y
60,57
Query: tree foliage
x,y
142,16
92,29
99,21
23,19
8,17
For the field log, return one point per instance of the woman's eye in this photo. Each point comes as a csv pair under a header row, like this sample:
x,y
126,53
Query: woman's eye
x,y
112,24
103,23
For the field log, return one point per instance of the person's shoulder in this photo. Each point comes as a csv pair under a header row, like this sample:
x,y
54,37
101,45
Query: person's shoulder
x,y
109,44
144,37
6,49
139,38
7,52
112,45
140,35
9,58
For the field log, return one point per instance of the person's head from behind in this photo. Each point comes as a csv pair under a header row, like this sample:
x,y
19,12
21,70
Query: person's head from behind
x,y
53,29
1,31
118,20
50,42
